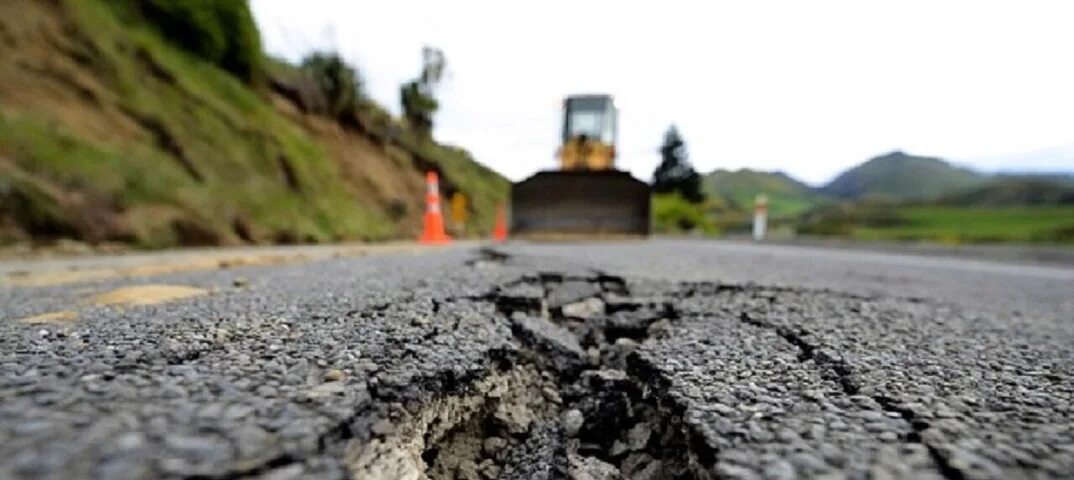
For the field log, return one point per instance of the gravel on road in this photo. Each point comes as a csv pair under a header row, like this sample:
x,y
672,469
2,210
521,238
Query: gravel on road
x,y
634,360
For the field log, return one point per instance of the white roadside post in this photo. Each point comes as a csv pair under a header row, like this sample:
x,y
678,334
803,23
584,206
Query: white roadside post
x,y
760,217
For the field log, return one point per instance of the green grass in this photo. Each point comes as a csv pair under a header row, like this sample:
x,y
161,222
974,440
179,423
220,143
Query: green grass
x,y
976,225
195,149
672,214
483,187
781,205
236,138
233,138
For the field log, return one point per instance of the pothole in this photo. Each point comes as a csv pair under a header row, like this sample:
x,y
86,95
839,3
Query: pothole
x,y
460,436
614,422
570,405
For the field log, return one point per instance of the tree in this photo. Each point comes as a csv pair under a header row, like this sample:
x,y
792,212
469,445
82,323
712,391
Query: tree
x,y
339,83
418,96
675,174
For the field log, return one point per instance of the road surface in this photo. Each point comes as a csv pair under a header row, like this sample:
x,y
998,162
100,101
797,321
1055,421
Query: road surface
x,y
675,359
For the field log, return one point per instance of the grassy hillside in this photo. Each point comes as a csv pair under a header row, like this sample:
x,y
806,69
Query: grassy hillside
x,y
111,132
739,188
1014,191
900,176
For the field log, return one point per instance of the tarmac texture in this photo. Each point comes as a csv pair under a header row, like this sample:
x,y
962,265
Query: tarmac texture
x,y
633,360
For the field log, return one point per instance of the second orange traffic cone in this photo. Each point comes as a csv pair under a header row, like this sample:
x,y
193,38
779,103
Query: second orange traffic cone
x,y
499,231
433,233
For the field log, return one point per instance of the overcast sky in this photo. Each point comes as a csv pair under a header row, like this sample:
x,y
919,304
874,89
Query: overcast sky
x,y
806,87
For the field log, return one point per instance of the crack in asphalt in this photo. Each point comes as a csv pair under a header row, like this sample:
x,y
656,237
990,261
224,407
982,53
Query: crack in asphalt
x,y
623,420
833,368
612,411
573,401
838,370
498,369
629,403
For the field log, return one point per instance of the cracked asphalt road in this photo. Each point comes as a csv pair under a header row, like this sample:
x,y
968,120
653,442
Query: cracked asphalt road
x,y
660,359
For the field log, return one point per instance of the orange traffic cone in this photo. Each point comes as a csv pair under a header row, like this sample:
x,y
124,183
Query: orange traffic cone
x,y
434,219
499,231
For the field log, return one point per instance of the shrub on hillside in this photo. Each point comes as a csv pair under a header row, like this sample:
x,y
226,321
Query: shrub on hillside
x,y
418,108
674,214
339,83
418,97
222,32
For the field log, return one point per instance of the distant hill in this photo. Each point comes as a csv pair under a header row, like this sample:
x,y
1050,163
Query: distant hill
x,y
786,196
900,176
1012,191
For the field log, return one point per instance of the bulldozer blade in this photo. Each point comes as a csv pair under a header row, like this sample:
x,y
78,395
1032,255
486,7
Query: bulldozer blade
x,y
574,204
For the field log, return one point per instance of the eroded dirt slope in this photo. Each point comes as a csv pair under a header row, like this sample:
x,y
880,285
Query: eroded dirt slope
x,y
111,133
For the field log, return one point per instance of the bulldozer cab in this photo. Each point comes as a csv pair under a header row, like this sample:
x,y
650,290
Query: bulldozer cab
x,y
587,196
590,128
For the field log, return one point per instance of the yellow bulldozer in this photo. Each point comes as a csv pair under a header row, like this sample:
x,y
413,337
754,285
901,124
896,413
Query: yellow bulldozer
x,y
587,196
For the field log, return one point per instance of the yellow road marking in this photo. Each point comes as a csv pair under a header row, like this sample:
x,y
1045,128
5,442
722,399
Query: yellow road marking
x,y
62,316
126,296
147,294
208,261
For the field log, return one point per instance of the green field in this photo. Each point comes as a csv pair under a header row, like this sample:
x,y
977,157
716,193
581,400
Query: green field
x,y
975,225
